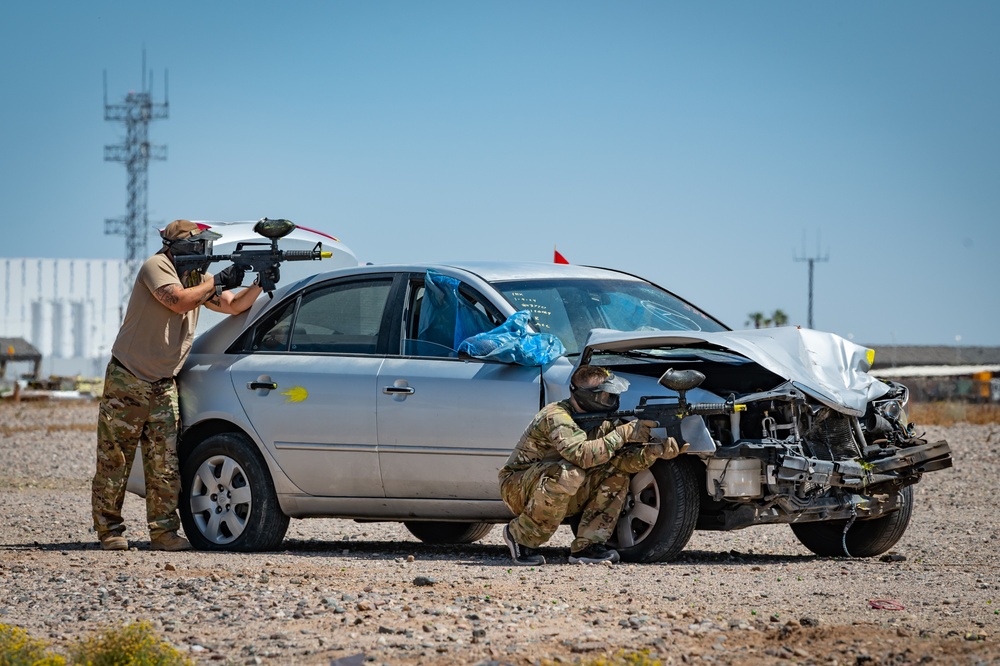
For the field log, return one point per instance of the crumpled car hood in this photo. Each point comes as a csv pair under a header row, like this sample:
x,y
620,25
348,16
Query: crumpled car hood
x,y
825,366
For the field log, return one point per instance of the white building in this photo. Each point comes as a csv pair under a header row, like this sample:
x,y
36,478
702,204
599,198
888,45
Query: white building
x,y
67,308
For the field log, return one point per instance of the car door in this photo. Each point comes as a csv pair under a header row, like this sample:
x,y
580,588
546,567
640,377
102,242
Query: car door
x,y
447,424
309,384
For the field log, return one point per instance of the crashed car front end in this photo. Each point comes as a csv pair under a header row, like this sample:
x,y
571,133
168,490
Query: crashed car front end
x,y
799,460
816,439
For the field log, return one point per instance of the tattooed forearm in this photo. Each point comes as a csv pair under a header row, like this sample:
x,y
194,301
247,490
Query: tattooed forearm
x,y
167,294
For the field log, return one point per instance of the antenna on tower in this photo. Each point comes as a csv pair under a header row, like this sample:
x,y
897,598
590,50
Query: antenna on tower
x,y
812,262
136,111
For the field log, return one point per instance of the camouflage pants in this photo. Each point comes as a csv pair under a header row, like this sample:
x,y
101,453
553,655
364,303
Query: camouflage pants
x,y
546,493
134,413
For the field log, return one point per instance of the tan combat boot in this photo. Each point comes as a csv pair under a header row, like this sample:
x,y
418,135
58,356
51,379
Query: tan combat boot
x,y
169,541
113,541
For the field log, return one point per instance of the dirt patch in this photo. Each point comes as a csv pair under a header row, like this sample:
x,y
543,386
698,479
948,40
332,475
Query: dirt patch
x,y
340,588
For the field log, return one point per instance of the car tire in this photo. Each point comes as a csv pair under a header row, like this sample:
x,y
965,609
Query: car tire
x,y
660,512
227,498
865,538
447,533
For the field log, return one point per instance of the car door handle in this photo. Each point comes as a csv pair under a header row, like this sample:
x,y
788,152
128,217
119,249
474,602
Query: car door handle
x,y
398,390
267,386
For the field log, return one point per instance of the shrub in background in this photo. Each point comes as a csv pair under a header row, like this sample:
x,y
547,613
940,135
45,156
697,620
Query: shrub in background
x,y
17,648
130,645
620,658
950,413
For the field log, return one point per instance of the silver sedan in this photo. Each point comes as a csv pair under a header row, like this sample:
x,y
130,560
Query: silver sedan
x,y
346,396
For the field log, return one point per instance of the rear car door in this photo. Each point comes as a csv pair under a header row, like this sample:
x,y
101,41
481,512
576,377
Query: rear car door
x,y
309,385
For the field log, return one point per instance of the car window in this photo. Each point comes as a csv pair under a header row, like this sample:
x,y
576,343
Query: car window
x,y
337,318
549,313
274,336
570,308
433,335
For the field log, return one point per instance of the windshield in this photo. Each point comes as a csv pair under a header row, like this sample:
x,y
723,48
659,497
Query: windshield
x,y
570,308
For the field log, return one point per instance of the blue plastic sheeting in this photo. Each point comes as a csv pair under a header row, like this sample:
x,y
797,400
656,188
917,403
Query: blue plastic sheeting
x,y
446,318
512,342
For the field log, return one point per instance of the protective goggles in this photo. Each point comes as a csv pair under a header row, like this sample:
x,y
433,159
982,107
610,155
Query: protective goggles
x,y
603,397
193,245
612,384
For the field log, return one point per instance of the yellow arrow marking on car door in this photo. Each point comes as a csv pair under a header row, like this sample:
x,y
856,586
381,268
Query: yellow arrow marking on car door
x,y
295,394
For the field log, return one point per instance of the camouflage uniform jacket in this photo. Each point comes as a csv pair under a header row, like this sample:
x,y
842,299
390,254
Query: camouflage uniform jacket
x,y
553,435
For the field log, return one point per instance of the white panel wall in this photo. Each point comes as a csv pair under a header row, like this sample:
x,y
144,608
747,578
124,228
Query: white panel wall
x,y
67,308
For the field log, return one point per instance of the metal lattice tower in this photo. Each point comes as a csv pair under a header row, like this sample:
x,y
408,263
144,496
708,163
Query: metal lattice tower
x,y
812,262
136,111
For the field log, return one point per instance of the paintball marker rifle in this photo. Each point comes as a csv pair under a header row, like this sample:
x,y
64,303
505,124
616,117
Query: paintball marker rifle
x,y
667,411
264,262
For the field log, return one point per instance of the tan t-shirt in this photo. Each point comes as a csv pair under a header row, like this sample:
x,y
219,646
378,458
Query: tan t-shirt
x,y
154,341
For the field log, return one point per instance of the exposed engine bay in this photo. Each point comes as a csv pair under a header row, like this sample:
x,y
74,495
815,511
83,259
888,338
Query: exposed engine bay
x,y
808,443
792,460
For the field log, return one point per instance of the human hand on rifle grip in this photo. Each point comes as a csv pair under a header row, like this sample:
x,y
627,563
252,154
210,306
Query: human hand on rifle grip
x,y
272,275
230,277
668,448
637,431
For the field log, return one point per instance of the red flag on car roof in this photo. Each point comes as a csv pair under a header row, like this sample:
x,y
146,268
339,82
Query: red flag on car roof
x,y
559,259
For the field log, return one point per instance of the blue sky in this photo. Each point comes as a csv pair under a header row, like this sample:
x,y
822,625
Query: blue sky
x,y
703,145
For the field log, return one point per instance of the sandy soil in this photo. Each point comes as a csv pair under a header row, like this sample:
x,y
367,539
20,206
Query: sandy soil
x,y
340,588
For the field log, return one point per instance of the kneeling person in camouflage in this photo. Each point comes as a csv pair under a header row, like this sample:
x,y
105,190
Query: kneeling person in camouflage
x,y
558,470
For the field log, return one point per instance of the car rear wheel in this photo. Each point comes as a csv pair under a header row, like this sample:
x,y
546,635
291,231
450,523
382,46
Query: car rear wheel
x,y
865,538
227,499
660,512
447,533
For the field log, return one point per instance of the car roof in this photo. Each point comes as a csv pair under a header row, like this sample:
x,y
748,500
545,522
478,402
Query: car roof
x,y
496,271
499,271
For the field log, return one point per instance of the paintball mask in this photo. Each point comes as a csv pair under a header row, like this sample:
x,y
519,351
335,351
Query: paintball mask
x,y
192,245
604,397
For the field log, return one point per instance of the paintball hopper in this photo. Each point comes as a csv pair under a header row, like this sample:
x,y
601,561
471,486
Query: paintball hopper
x,y
273,229
693,429
681,380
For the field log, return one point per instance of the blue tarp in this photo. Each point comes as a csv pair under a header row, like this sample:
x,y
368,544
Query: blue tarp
x,y
449,320
446,318
512,342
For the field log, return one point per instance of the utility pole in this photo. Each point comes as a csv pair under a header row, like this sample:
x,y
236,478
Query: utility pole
x,y
136,111
812,263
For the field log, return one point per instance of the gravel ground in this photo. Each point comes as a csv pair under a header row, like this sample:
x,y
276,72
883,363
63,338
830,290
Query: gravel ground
x,y
341,588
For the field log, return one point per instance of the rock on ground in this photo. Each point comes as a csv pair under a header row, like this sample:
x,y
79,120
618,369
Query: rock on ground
x,y
340,588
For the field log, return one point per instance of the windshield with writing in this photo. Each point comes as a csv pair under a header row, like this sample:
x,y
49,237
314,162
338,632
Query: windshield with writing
x,y
570,308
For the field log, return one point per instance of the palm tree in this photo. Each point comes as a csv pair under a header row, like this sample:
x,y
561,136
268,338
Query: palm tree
x,y
760,320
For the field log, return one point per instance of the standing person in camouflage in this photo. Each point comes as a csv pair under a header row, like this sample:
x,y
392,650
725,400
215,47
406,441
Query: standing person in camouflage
x,y
558,470
139,403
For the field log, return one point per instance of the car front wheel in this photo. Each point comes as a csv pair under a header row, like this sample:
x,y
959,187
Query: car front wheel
x,y
660,512
227,499
865,538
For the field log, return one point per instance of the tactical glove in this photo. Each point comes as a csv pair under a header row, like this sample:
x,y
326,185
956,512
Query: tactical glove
x,y
636,431
229,277
668,448
270,276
